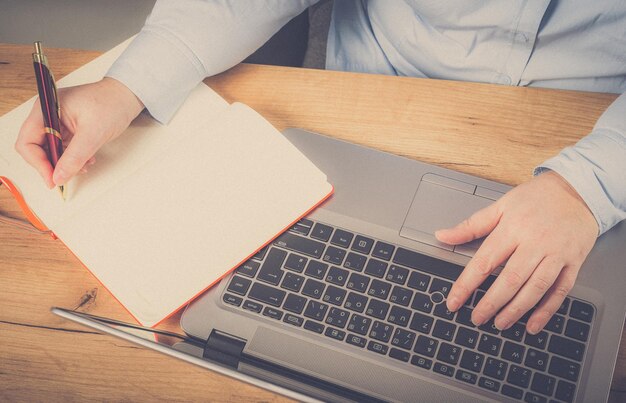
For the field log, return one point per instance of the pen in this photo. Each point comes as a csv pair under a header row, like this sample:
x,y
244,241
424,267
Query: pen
x,y
49,108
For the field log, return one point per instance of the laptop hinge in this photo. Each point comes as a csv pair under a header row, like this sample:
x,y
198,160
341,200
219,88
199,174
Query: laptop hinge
x,y
224,348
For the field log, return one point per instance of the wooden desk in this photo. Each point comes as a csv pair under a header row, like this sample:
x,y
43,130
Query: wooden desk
x,y
495,132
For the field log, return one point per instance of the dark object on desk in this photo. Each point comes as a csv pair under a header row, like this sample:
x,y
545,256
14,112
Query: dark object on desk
x,y
50,109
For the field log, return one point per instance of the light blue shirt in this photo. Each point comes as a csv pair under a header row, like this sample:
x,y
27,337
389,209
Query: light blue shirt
x,y
566,44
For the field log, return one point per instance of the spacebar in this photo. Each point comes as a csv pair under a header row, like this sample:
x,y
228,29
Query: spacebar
x,y
427,264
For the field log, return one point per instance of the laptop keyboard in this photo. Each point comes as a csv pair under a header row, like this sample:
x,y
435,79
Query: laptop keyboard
x,y
389,301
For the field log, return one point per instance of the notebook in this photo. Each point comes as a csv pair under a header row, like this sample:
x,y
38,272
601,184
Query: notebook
x,y
168,210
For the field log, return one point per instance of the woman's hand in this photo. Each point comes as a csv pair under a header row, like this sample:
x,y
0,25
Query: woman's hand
x,y
545,230
91,115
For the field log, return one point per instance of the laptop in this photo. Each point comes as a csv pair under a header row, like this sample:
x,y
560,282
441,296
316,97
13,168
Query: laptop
x,y
349,303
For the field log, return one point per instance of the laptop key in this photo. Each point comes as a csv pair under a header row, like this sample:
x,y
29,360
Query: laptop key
x,y
375,268
337,317
566,347
337,275
464,316
292,282
334,295
399,316
362,244
422,302
536,359
294,303
425,346
249,268
260,254
440,285
381,331
441,310
252,306
519,376
379,289
444,330
515,332
321,232
564,368
334,255
564,307
316,310
397,274
577,330
565,391
232,299
512,391
296,262
293,320
356,340
377,347
443,369
266,294
531,397
513,352
271,269
489,384
239,285
543,384
355,302
355,262
555,324
465,376
316,269
418,281
359,324
466,337
383,250
399,354
581,310
421,323
495,368
313,289
335,333
449,353
421,362
300,244
489,344
427,264
313,326
489,327
377,309
273,313
358,282
401,296
342,238
472,361
403,339
539,340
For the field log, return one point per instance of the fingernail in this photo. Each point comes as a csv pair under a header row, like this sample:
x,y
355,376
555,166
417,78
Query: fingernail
x,y
453,303
59,177
533,328
478,318
502,323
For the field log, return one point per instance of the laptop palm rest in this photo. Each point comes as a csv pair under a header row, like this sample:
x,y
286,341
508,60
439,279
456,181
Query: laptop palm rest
x,y
347,370
440,202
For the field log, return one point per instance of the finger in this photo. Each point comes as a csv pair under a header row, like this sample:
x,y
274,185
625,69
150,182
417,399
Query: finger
x,y
553,299
516,272
532,291
30,145
476,226
80,150
496,248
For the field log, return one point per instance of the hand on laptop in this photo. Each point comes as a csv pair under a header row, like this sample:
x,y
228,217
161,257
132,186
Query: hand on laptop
x,y
545,230
91,115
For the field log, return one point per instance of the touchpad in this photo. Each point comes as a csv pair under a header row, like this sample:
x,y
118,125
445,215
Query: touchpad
x,y
440,202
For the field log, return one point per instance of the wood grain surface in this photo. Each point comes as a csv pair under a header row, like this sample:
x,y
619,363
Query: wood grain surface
x,y
496,132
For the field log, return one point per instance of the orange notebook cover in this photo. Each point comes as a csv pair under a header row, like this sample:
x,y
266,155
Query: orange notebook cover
x,y
170,209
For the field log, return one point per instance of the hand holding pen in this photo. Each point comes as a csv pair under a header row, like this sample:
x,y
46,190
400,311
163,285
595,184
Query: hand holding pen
x,y
93,114
49,108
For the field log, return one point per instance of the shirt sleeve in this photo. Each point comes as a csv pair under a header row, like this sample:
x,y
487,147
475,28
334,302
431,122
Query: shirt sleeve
x,y
182,42
596,166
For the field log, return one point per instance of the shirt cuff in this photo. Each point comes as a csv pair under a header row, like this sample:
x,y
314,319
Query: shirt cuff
x,y
160,70
594,167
